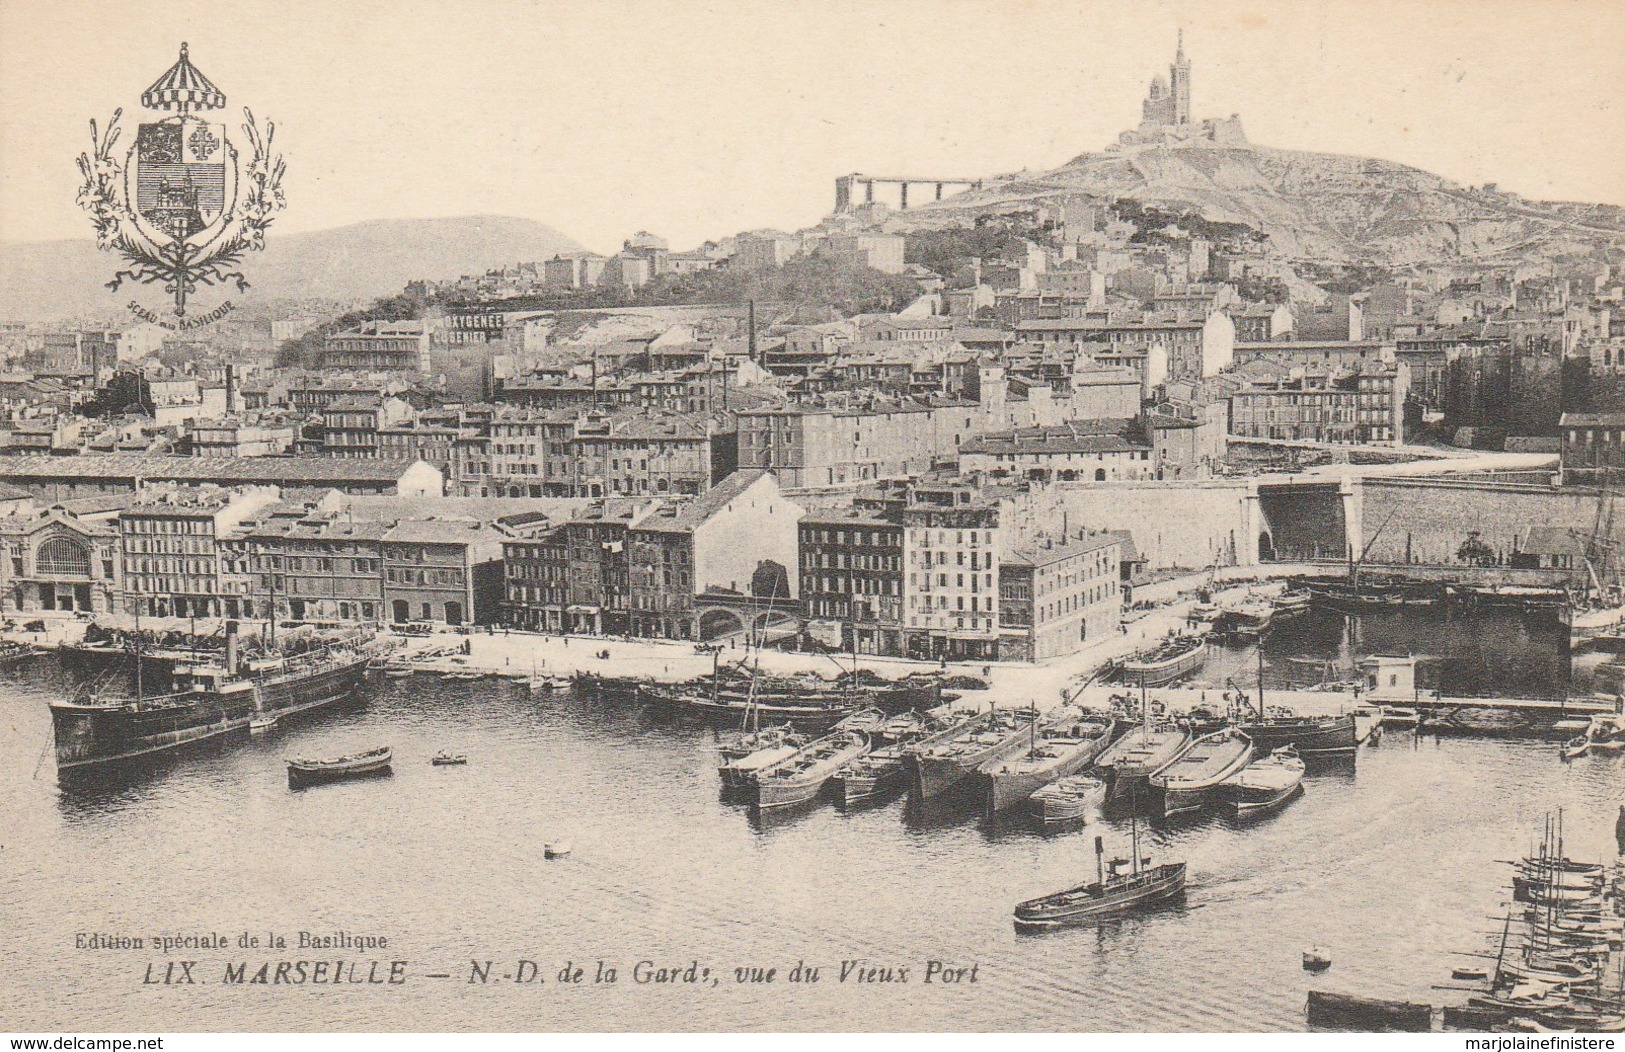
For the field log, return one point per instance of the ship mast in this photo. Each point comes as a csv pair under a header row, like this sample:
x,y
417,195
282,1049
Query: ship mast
x,y
140,692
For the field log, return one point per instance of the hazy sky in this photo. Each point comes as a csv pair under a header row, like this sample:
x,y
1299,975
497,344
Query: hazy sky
x,y
697,120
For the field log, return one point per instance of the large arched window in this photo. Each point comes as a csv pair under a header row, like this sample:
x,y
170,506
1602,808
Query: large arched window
x,y
63,556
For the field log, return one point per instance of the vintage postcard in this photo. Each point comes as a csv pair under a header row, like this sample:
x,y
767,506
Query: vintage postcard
x,y
922,515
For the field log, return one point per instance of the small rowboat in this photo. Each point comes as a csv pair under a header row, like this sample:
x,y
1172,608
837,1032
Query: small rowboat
x,y
303,772
1316,959
448,759
397,673
557,849
261,724
1575,748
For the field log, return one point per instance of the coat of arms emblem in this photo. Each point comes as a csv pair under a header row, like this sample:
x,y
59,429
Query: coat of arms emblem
x,y
178,203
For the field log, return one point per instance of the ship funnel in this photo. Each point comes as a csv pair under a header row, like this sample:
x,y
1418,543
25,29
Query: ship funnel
x,y
231,648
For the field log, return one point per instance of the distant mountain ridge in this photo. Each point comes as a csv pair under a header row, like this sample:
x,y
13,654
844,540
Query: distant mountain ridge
x,y
362,261
1314,206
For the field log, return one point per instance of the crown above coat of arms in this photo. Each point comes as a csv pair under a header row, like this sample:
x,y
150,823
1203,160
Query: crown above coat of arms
x,y
179,204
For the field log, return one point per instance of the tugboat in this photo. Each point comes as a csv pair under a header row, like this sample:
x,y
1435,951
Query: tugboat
x,y
1114,893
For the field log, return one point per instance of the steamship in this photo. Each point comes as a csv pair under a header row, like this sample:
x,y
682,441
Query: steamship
x,y
94,736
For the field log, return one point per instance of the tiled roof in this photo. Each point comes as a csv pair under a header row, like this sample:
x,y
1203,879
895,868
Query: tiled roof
x,y
159,466
693,513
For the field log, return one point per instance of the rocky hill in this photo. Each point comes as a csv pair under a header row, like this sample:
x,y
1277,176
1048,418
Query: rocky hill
x,y
1313,206
57,279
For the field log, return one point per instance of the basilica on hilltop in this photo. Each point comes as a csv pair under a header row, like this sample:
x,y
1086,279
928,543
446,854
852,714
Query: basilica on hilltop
x,y
1165,116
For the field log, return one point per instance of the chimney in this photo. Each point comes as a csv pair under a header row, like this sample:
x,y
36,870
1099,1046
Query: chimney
x,y
752,335
231,648
231,389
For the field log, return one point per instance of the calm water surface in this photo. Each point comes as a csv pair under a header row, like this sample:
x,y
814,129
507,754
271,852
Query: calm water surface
x,y
1392,867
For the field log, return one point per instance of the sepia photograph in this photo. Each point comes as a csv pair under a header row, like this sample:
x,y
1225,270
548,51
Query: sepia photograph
x,y
906,516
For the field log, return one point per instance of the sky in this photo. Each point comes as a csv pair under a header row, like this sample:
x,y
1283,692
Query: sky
x,y
696,120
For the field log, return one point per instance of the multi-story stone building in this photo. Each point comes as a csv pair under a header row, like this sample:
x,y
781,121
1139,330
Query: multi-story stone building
x,y
61,557
1594,448
312,566
1057,596
825,445
725,541
440,571
1158,347
1362,406
241,437
1080,450
951,555
573,576
851,574
595,454
379,346
169,544
882,252
351,425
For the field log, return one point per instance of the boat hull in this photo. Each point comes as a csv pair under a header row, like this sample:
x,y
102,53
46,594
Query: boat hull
x,y
1084,906
1188,783
740,775
1056,805
1160,673
96,739
1007,789
1130,771
1325,738
300,777
787,784
932,776
1256,800
879,782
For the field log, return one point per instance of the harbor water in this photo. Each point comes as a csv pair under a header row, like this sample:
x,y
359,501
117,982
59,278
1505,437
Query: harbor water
x,y
1393,866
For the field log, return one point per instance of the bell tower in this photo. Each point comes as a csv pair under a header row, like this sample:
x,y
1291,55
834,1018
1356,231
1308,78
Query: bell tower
x,y
1179,80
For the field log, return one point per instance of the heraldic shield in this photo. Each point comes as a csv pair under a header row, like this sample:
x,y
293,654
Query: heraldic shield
x,y
182,181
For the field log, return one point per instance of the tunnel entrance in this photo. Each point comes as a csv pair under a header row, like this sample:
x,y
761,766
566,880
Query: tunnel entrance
x,y
1302,523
